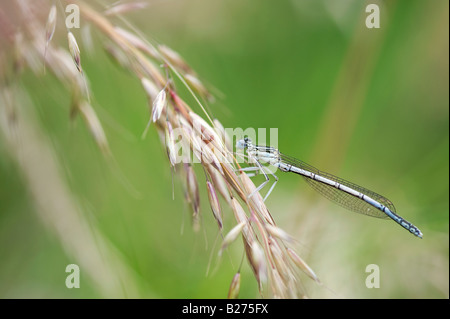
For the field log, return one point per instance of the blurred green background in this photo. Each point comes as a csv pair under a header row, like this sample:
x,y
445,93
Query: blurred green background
x,y
369,105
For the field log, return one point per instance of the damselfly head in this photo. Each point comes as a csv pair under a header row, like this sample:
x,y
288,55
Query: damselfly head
x,y
240,144
244,143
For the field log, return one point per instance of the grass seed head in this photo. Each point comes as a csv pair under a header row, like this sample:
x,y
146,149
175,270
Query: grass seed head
x,y
208,141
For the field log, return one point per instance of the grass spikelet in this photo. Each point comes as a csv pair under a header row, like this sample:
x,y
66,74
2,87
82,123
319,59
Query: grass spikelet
x,y
232,179
95,126
118,57
49,30
235,286
150,89
198,86
231,236
170,144
298,261
214,202
174,58
224,137
239,212
241,217
279,260
152,94
74,51
258,261
278,233
51,24
159,104
125,8
194,195
137,43
256,200
249,187
219,183
279,285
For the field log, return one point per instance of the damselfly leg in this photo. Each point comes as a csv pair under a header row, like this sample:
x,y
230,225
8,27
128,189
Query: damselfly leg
x,y
259,168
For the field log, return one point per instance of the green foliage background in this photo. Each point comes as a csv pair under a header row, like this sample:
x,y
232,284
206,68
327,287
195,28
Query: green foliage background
x,y
369,105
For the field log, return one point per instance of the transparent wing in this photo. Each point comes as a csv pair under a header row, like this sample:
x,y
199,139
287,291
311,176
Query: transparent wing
x,y
340,197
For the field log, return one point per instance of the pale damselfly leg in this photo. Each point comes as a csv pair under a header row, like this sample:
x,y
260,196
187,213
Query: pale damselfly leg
x,y
346,194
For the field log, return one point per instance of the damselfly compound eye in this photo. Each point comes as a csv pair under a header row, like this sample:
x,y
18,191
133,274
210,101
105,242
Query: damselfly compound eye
x,y
241,144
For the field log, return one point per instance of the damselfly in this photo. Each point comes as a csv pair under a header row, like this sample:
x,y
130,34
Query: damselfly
x,y
349,195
